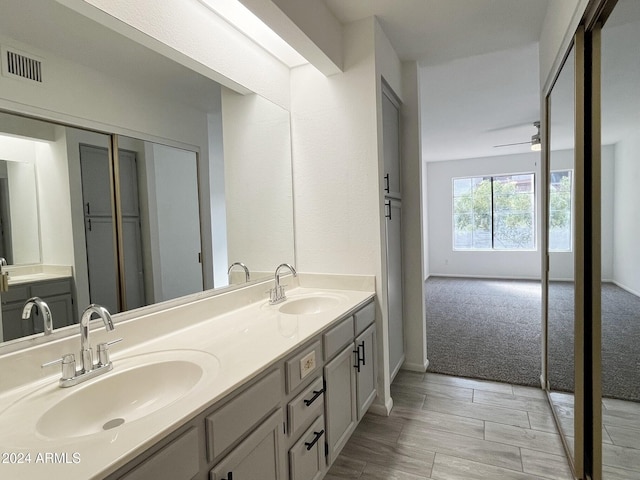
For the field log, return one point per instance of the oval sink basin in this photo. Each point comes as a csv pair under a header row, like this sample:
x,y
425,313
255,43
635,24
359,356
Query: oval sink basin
x,y
126,394
309,305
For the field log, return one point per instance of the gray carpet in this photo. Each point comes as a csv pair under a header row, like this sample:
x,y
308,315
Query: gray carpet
x,y
490,329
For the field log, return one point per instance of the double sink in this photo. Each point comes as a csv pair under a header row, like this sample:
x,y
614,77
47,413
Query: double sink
x,y
139,386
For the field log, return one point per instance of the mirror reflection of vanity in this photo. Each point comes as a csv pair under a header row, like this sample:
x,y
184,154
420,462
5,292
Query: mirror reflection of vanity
x,y
128,178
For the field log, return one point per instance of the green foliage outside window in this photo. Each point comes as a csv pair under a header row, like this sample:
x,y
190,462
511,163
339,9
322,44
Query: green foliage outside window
x,y
494,212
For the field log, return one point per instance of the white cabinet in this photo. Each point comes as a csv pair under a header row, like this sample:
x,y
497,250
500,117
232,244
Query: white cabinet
x,y
340,400
350,377
391,145
394,285
257,457
393,212
366,373
290,423
58,294
179,460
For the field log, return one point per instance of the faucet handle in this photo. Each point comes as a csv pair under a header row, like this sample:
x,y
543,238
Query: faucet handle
x,y
68,362
103,351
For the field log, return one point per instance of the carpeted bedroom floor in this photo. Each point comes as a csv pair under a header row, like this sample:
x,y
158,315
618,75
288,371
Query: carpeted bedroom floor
x,y
491,329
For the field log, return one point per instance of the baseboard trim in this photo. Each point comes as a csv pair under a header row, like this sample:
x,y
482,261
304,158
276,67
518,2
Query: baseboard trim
x,y
416,367
486,277
625,288
382,410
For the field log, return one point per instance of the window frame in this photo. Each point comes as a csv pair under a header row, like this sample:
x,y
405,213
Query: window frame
x,y
534,226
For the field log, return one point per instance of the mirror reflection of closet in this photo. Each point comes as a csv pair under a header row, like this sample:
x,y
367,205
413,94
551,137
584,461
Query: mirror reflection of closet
x,y
156,253
561,227
620,104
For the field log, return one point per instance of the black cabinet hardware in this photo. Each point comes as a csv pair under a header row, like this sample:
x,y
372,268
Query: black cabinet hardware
x,y
357,365
316,394
387,207
229,476
386,183
315,439
364,357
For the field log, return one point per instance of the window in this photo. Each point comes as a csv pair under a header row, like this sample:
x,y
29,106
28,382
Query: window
x,y
494,213
560,237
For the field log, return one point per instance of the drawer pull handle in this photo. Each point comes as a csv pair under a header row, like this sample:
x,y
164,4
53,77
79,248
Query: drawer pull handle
x,y
316,394
364,356
229,476
386,181
358,359
314,441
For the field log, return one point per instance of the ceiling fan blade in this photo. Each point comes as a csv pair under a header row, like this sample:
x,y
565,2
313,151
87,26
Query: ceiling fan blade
x,y
511,144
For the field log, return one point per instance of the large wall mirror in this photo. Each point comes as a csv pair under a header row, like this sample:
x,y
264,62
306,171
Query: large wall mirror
x,y
127,179
620,197
561,249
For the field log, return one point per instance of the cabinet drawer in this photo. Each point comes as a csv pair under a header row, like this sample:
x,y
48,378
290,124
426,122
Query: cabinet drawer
x,y
364,317
16,294
306,457
303,364
336,338
47,289
306,406
237,417
177,461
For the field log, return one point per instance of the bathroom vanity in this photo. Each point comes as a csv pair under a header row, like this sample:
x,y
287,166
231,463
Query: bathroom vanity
x,y
55,284
240,390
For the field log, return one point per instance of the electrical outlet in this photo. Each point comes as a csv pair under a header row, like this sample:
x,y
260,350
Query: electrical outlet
x,y
307,364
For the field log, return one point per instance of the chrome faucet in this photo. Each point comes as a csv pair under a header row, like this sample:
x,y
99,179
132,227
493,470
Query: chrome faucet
x,y
276,294
88,369
43,308
86,354
247,276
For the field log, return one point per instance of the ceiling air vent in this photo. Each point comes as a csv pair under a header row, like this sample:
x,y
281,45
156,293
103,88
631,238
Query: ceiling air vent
x,y
23,66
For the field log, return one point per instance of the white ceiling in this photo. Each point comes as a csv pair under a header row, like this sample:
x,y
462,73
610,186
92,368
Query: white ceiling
x,y
479,68
479,81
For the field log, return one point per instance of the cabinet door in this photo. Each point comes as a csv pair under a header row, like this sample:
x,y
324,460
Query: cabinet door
x,y
391,145
394,285
96,184
61,308
257,457
340,400
12,324
366,379
179,460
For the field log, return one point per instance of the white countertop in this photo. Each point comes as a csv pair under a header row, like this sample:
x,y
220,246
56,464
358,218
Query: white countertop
x,y
19,275
242,343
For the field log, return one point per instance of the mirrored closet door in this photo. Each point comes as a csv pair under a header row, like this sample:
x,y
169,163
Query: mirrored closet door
x,y
620,252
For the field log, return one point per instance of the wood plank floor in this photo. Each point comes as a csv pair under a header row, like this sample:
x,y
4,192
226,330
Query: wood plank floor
x,y
620,434
449,428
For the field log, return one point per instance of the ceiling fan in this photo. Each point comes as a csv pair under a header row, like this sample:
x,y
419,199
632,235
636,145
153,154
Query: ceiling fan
x,y
534,142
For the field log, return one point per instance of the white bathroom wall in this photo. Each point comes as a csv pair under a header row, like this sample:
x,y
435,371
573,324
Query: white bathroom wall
x,y
191,34
412,221
20,156
336,171
78,95
443,260
626,224
54,201
258,183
